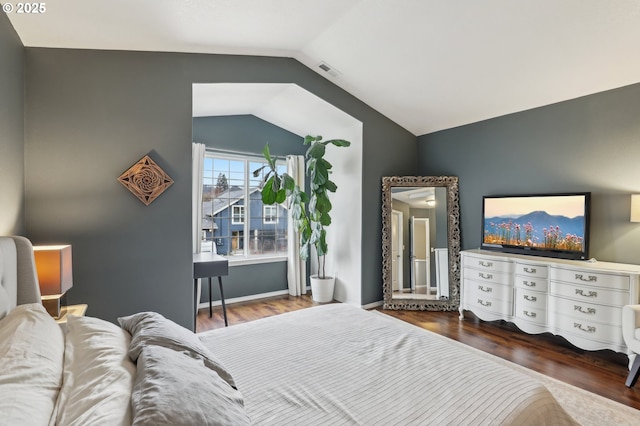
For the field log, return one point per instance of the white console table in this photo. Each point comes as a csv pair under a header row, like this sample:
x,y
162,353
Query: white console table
x,y
578,300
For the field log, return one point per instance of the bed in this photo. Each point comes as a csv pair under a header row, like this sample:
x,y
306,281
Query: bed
x,y
326,365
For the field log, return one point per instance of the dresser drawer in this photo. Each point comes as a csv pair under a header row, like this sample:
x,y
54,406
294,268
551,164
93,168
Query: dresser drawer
x,y
586,311
583,277
532,270
502,307
530,298
488,290
590,294
487,264
589,329
538,284
487,276
531,314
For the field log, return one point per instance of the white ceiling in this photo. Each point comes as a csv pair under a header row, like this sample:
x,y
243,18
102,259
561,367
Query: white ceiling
x,y
426,64
415,197
286,105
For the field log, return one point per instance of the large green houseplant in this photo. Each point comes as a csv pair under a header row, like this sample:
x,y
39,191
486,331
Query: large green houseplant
x,y
310,211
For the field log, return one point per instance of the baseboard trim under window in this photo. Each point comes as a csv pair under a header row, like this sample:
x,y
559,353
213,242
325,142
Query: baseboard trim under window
x,y
251,297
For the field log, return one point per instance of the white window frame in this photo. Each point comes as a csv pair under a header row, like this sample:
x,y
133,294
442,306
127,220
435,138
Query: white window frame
x,y
242,214
272,215
246,258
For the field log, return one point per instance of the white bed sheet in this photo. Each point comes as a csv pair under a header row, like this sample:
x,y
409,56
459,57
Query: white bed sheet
x,y
340,365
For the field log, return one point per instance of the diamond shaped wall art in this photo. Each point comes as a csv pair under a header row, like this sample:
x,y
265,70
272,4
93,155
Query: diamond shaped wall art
x,y
146,180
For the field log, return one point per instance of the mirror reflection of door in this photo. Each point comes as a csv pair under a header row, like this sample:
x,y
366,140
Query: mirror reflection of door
x,y
397,249
420,256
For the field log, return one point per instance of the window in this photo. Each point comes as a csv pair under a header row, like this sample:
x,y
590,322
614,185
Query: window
x,y
237,217
234,218
269,214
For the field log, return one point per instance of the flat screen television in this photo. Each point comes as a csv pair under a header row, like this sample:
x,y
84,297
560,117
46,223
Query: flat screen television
x,y
553,225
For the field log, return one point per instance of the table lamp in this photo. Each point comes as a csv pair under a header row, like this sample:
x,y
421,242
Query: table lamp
x,y
635,208
53,264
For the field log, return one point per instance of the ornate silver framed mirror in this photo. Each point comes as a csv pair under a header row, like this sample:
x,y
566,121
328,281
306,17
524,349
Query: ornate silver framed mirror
x,y
421,243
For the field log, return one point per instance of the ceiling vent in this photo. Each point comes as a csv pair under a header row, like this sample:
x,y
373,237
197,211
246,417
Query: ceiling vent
x,y
329,69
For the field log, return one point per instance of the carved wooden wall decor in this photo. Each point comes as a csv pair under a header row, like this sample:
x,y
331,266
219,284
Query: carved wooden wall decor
x,y
146,180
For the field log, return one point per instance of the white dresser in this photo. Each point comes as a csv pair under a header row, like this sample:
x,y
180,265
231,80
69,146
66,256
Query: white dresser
x,y
580,301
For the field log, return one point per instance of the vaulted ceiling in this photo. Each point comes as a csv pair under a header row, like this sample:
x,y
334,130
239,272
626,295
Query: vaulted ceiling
x,y
426,64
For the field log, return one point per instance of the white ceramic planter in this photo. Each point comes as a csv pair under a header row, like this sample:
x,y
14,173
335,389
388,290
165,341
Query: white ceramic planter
x,y
322,289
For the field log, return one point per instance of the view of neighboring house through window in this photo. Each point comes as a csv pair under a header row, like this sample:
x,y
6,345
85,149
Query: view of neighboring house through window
x,y
234,218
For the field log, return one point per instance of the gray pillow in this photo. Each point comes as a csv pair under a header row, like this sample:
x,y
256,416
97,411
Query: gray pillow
x,y
172,388
151,328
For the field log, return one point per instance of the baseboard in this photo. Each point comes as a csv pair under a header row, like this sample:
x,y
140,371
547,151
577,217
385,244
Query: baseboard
x,y
373,305
203,305
252,297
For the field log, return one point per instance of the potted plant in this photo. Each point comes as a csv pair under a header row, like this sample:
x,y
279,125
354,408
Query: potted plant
x,y
310,211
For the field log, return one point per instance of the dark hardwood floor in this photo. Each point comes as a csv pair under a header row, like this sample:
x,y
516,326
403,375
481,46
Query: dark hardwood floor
x,y
600,372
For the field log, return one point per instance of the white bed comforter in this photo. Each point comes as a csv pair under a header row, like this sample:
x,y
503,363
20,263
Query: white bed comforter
x,y
340,365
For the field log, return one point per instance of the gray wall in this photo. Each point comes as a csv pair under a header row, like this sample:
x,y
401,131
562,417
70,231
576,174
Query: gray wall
x,y
587,144
247,133
91,114
11,130
442,222
387,152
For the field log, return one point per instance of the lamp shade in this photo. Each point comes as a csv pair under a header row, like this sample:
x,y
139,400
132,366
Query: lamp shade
x,y
53,264
635,208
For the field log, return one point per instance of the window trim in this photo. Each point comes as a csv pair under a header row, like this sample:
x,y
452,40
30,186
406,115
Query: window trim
x,y
244,257
242,214
273,216
256,259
